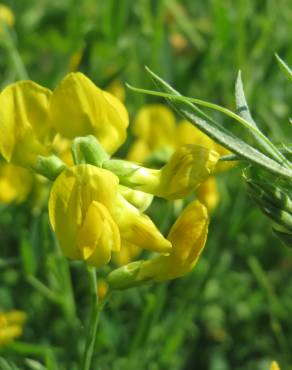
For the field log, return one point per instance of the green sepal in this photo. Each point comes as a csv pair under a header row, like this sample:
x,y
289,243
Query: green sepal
x,y
50,167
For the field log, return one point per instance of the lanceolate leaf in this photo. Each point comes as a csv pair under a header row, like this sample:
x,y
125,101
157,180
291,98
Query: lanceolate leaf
x,y
244,112
213,129
285,68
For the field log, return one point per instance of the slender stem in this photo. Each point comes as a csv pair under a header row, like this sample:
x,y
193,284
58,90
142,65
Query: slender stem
x,y
278,156
96,307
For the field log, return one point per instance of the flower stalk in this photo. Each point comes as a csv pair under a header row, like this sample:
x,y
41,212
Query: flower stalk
x,y
96,308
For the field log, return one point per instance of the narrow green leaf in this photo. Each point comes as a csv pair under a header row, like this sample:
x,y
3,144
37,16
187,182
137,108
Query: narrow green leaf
x,y
284,67
244,112
213,129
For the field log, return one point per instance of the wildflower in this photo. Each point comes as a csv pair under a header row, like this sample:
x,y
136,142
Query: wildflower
x,y
155,126
6,16
158,137
24,126
92,219
11,325
31,115
79,108
188,236
15,183
274,366
188,167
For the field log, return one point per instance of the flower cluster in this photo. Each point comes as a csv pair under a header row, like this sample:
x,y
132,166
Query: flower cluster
x,y
97,203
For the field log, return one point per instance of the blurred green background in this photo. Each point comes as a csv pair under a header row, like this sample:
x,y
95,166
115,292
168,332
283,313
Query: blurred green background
x,y
234,310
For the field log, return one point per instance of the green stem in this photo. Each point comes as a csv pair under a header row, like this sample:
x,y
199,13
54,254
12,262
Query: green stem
x,y
277,154
96,308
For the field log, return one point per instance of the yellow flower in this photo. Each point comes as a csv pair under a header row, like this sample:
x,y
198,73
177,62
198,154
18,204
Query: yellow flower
x,y
155,131
155,125
11,324
137,198
92,220
187,133
274,366
79,108
6,16
24,125
62,148
15,183
127,254
189,166
208,194
188,237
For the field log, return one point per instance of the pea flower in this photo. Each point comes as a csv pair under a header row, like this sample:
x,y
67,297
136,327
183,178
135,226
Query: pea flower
x,y
188,167
11,325
187,236
32,115
92,219
24,126
158,136
15,183
79,108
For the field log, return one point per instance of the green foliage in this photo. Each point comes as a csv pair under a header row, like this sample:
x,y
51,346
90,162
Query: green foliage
x,y
233,310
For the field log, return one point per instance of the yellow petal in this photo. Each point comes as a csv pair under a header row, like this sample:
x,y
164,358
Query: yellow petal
x,y
15,317
138,229
71,195
274,366
137,198
15,183
6,15
188,167
127,253
98,236
188,237
79,108
155,125
208,194
186,133
24,125
9,333
139,151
